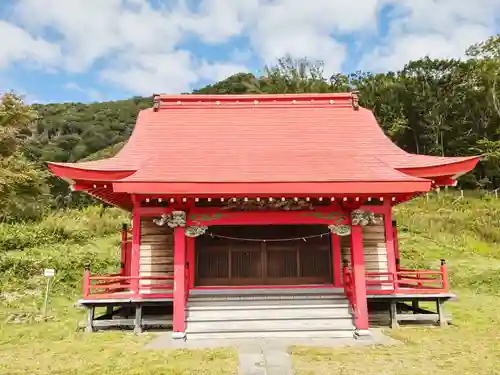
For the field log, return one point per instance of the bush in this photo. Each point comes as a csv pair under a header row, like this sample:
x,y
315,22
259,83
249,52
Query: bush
x,y
73,226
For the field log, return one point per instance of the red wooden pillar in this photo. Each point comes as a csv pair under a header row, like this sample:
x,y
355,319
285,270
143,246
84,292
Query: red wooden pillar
x,y
337,261
179,283
389,238
397,254
136,250
190,260
359,276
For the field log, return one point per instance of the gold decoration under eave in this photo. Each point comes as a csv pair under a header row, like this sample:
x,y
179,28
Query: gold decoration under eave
x,y
363,218
263,204
195,231
173,220
340,229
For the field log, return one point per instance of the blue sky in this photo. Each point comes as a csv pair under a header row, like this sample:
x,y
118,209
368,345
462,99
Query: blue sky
x,y
88,50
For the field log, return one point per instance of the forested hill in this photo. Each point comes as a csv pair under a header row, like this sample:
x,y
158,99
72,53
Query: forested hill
x,y
436,107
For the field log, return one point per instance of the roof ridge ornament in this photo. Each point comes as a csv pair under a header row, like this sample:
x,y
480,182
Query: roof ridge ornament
x,y
355,100
156,102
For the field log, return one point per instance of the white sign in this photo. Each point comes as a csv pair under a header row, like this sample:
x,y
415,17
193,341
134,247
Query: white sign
x,y
49,272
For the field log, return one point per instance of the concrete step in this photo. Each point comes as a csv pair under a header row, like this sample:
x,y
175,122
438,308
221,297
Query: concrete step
x,y
266,291
267,302
318,324
266,312
250,297
269,305
341,334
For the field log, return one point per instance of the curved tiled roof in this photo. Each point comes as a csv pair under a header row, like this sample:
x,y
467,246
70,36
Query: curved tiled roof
x,y
299,138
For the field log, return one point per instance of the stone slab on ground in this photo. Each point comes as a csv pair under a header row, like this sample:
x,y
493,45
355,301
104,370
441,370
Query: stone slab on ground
x,y
266,356
165,341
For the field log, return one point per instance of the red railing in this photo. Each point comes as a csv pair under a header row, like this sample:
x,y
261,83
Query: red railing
x,y
348,282
117,286
408,281
186,282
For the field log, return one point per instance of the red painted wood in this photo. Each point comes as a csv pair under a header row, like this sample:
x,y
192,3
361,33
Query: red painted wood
x,y
154,211
337,261
179,279
252,287
408,282
358,273
449,169
267,218
191,261
136,249
348,283
389,239
275,188
71,171
379,209
123,259
86,282
397,254
444,275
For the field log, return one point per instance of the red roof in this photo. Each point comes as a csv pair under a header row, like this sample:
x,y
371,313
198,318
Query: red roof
x,y
235,144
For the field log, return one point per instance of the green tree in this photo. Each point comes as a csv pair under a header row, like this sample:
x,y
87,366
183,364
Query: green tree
x,y
23,185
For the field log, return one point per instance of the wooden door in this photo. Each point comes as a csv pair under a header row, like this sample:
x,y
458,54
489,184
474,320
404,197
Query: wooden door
x,y
222,261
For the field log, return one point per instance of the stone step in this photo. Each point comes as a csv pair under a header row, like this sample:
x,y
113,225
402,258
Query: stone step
x,y
333,334
258,304
268,325
267,291
251,297
267,312
266,301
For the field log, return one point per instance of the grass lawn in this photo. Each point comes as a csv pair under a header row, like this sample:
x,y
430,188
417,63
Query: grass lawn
x,y
466,233
471,346
54,347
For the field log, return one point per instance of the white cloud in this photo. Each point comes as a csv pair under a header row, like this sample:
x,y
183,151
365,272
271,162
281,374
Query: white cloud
x,y
219,71
434,28
153,73
73,86
139,47
92,94
287,27
17,45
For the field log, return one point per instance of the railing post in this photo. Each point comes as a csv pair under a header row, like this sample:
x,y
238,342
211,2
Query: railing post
x,y
124,250
186,282
190,245
337,261
395,239
86,281
444,275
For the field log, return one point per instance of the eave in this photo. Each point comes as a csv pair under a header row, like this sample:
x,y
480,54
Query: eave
x,y
276,188
72,172
453,168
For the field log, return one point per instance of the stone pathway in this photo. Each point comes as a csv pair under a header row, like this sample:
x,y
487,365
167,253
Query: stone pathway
x,y
265,356
264,359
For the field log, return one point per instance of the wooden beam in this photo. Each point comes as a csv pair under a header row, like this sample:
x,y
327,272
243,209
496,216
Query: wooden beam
x,y
274,188
217,217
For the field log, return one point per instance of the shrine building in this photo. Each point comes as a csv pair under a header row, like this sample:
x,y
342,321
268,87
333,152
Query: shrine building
x,y
261,216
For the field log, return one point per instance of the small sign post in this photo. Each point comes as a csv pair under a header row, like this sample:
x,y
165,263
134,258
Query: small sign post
x,y
49,273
